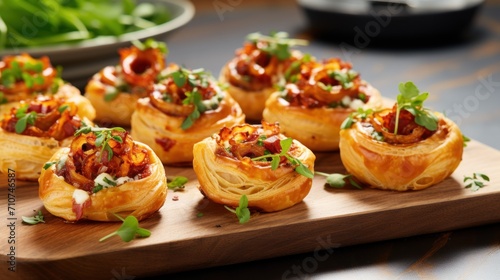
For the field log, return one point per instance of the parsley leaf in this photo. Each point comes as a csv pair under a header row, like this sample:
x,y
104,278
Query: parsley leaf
x,y
128,230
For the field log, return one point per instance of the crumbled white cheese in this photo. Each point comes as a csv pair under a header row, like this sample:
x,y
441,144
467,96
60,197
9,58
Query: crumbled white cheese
x,y
356,104
100,180
80,196
346,101
123,180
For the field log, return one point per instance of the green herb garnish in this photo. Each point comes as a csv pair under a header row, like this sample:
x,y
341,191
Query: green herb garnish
x,y
3,99
38,218
151,43
286,144
195,99
278,44
475,181
466,140
47,165
345,78
337,180
177,183
62,108
242,211
128,230
29,73
103,136
411,100
24,118
350,120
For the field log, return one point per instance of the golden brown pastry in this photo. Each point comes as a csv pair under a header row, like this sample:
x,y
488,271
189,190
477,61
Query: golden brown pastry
x,y
103,173
397,150
32,132
115,89
24,77
233,163
186,106
256,69
317,99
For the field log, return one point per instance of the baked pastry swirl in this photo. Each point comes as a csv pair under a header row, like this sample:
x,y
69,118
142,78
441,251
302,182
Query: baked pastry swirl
x,y
24,77
388,149
236,162
103,173
256,68
185,107
317,99
32,132
114,90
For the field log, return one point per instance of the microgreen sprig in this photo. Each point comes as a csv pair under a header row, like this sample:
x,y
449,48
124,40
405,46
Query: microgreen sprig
x,y
242,211
38,218
476,181
350,120
30,73
196,100
128,230
337,180
24,118
278,44
345,78
103,136
178,183
286,144
411,100
151,43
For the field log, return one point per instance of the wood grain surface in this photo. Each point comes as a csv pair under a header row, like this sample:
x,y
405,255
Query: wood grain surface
x,y
191,232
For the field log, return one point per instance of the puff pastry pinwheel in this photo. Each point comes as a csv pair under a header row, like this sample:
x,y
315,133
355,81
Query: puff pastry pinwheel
x,y
114,90
24,77
101,174
404,148
35,130
186,106
274,172
317,99
256,68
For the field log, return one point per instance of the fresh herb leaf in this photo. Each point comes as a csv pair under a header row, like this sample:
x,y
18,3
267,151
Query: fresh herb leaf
x,y
345,77
151,43
337,180
24,119
476,181
47,165
466,140
103,136
177,183
38,218
278,44
3,99
412,100
128,230
242,211
286,144
62,108
351,119
195,99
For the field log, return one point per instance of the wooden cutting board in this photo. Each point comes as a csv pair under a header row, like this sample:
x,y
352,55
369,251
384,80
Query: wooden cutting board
x,y
192,232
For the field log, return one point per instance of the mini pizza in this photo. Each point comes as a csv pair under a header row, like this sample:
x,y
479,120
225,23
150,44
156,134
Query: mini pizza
x,y
185,107
114,90
23,77
315,101
33,131
403,148
273,171
256,69
103,173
